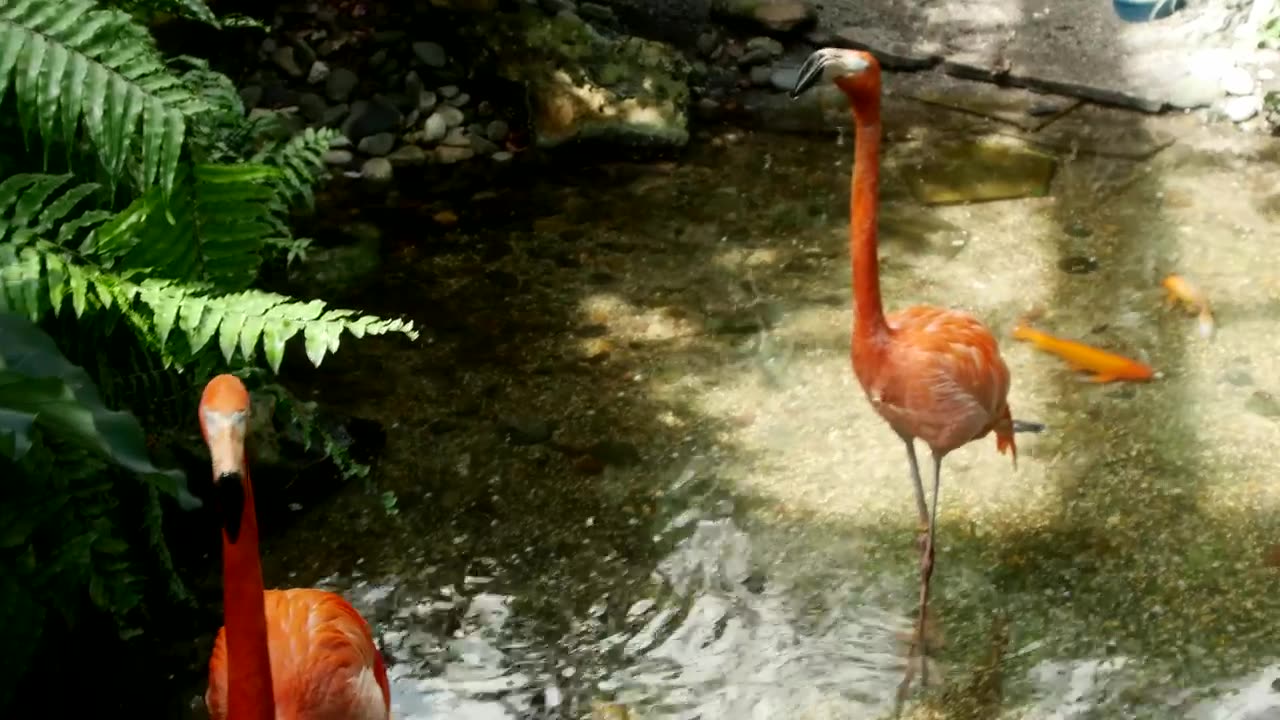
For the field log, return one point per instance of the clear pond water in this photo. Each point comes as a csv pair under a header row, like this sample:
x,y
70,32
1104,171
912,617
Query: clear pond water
x,y
633,476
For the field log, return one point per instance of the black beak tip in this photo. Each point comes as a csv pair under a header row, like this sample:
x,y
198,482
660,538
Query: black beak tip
x,y
230,496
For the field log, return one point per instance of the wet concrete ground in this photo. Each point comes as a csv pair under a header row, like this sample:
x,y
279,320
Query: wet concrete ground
x,y
633,476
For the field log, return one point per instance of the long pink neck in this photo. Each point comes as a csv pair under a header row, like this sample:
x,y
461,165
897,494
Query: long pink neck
x,y
864,197
249,685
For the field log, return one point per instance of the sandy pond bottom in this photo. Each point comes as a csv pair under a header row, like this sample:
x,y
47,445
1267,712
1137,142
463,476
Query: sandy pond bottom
x,y
634,477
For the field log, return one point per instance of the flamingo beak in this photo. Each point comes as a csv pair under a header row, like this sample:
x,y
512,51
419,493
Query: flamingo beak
x,y
224,434
827,62
810,70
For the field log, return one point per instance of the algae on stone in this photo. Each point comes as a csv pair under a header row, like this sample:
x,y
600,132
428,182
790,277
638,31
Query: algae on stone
x,y
585,86
981,170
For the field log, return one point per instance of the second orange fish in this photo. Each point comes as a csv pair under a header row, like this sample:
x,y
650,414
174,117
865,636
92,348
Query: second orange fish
x,y
1105,366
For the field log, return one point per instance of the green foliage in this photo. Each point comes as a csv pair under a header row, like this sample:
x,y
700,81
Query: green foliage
x,y
39,386
65,457
70,63
139,204
1269,33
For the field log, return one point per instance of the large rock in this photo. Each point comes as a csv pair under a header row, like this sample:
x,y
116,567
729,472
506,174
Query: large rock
x,y
587,88
774,15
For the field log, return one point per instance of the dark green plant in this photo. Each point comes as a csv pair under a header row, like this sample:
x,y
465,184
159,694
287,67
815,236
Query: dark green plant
x,y
68,462
138,205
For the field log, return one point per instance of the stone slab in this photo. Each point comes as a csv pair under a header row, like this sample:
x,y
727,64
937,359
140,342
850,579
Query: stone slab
x,y
1015,106
1101,131
1071,47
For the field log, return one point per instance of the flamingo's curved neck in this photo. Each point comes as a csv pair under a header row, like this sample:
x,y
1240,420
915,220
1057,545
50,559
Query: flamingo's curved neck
x,y
864,197
249,685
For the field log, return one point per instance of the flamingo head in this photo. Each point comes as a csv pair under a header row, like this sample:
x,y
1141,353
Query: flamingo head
x,y
224,421
853,71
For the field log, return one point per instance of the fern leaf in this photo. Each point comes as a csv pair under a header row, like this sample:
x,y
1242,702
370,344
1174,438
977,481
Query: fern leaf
x,y
27,211
72,63
301,162
248,320
222,215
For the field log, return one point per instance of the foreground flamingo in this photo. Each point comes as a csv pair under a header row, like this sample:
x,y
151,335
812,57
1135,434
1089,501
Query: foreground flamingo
x,y
931,373
296,654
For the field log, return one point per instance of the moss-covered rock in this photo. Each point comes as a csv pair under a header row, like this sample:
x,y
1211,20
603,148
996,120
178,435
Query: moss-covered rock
x,y
586,87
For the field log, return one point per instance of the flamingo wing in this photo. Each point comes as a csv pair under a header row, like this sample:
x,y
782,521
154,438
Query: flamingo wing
x,y
324,663
942,378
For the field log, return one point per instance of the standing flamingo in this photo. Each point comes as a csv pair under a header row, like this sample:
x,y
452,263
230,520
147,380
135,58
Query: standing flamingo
x,y
931,373
297,654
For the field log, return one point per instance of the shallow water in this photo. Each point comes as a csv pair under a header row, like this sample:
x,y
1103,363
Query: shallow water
x,y
634,477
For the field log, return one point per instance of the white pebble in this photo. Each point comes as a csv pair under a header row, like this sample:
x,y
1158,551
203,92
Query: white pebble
x,y
1237,81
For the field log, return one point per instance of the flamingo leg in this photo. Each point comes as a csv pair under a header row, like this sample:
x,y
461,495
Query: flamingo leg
x,y
921,506
918,640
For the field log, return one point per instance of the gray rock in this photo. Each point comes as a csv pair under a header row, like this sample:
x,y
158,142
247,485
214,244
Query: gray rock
x,y
427,101
448,154
377,144
457,137
251,95
338,157
784,78
756,56
497,130
770,46
459,100
482,145
774,15
435,128
1237,81
283,58
302,51
708,43
597,12
430,54
377,171
408,156
319,72
453,117
334,115
760,75
312,106
449,91
371,117
378,59
341,83
1241,108
502,156
413,85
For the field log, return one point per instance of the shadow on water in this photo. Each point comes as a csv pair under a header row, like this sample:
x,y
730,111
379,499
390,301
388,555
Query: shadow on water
x,y
632,476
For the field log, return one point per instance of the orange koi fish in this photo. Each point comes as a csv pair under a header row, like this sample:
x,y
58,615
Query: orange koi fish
x,y
1181,289
1105,366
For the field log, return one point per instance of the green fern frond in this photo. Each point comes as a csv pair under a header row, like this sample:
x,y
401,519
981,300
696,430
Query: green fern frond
x,y
41,276
242,320
301,162
32,206
213,227
70,62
